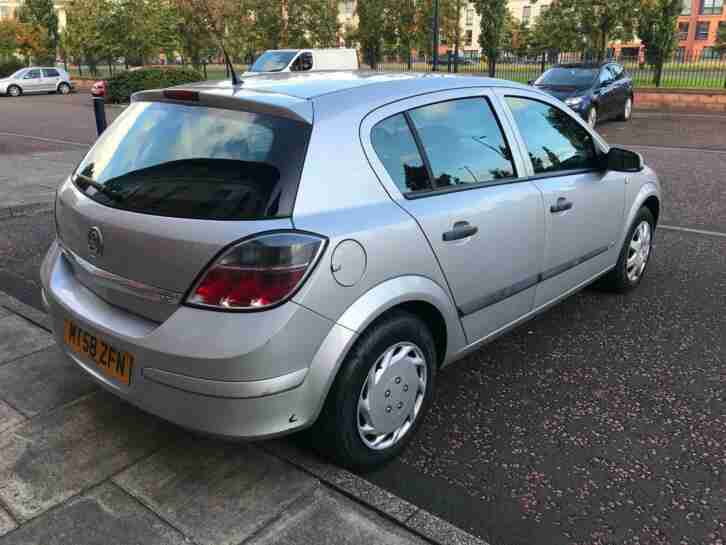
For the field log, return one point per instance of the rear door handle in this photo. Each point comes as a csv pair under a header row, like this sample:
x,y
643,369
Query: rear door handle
x,y
562,205
462,229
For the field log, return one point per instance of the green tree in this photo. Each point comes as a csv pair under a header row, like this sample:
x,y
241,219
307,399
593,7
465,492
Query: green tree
x,y
374,17
41,13
323,23
449,27
586,25
657,30
720,45
493,18
8,39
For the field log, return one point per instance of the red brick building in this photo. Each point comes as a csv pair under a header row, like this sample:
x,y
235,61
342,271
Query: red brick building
x,y
698,27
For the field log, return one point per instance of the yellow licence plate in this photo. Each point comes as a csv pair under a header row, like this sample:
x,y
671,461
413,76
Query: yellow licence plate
x,y
111,361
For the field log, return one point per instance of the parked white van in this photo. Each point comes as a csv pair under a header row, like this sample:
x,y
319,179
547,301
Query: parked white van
x,y
303,60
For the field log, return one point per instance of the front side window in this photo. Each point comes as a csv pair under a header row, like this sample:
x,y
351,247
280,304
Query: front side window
x,y
303,63
555,141
196,162
32,74
463,142
683,31
396,148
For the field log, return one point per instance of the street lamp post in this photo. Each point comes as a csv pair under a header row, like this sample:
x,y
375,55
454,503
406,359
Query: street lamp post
x,y
435,59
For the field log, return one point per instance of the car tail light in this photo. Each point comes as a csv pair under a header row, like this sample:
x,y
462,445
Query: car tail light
x,y
259,272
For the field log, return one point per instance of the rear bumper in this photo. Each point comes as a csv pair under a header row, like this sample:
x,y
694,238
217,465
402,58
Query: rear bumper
x,y
238,375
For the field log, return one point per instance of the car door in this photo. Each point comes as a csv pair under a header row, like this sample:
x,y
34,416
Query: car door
x,y
32,81
51,79
622,88
583,202
446,160
607,93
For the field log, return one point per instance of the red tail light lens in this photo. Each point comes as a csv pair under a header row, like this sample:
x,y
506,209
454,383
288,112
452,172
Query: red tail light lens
x,y
259,272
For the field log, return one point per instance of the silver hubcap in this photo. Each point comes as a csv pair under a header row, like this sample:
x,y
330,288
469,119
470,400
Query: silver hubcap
x,y
592,117
392,396
14,92
638,251
64,89
628,108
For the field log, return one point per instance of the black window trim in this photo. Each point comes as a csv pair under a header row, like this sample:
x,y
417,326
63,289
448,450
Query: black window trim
x,y
599,153
412,195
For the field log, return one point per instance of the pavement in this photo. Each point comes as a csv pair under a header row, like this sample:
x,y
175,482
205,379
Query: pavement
x,y
78,465
601,421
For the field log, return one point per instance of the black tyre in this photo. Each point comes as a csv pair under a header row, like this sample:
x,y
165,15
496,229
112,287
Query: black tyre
x,y
14,91
380,395
627,112
634,255
592,116
64,89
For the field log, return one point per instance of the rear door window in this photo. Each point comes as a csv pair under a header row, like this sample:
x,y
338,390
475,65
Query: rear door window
x,y
196,162
463,142
51,73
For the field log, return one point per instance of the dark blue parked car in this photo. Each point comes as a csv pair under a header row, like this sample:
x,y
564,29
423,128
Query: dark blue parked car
x,y
595,91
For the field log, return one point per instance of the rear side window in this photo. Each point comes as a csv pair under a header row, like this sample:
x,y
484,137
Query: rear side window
x,y
51,73
196,162
396,148
555,141
463,142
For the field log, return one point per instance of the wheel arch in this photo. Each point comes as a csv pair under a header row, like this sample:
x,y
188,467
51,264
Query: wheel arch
x,y
647,196
7,91
416,294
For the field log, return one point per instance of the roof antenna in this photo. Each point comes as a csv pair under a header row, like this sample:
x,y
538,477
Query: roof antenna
x,y
235,79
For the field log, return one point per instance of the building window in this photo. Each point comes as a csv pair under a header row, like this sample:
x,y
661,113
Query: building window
x,y
711,7
468,37
683,31
348,7
470,16
526,12
702,29
686,10
680,53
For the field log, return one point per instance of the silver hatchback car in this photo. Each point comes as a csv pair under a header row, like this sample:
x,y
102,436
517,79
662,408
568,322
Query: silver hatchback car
x,y
36,80
309,250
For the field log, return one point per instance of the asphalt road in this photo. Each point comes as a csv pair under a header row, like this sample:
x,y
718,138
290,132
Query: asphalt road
x,y
601,421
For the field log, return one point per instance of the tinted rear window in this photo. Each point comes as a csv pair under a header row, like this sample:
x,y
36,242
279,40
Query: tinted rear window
x,y
196,162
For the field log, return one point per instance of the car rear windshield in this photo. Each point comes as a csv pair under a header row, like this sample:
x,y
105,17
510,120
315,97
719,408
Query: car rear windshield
x,y
272,61
568,77
196,162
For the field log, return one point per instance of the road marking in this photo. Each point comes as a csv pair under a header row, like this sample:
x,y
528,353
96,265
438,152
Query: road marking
x,y
688,230
53,140
671,148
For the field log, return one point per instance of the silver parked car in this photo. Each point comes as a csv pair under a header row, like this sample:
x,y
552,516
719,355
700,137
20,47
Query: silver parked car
x,y
310,249
36,79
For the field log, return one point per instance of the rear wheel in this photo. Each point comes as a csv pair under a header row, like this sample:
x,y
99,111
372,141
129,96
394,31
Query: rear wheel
x,y
592,116
64,88
380,394
634,255
14,91
627,110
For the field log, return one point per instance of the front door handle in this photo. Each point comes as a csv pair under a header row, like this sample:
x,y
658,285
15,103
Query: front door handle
x,y
462,229
562,205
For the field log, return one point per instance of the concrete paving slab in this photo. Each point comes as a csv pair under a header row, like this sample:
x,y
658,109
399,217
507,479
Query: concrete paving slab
x,y
42,381
216,493
105,516
440,531
329,519
58,455
18,338
6,522
9,417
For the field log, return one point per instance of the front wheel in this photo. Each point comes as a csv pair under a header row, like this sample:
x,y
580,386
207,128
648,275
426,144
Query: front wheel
x,y
380,395
634,255
14,91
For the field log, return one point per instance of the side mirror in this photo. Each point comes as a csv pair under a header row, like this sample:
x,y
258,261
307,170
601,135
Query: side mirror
x,y
623,160
530,82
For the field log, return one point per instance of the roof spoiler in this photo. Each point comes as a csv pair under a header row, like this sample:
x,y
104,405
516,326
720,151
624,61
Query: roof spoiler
x,y
228,98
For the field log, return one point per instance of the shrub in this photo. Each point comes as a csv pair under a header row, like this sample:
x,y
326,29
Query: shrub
x,y
9,67
120,87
